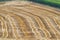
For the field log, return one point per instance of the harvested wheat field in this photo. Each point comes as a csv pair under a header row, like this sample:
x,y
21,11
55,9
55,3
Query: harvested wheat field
x,y
29,21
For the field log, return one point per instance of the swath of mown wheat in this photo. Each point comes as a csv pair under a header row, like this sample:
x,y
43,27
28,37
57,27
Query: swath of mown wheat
x,y
29,21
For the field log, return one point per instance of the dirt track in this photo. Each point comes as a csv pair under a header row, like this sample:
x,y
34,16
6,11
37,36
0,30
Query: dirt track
x,y
29,21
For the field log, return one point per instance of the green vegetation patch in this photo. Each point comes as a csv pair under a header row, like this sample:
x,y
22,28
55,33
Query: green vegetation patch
x,y
54,3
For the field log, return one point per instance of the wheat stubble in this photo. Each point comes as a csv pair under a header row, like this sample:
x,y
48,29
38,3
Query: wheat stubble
x,y
29,21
